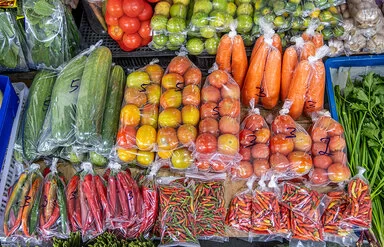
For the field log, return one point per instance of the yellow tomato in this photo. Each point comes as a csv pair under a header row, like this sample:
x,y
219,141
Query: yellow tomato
x,y
145,158
182,158
146,137
165,154
130,115
170,117
127,155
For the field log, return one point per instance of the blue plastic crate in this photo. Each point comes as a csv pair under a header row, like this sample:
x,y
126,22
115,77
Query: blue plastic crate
x,y
355,61
8,112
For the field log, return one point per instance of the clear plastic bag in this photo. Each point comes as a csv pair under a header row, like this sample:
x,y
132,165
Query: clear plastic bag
x,y
196,46
359,210
93,10
290,147
179,112
254,146
11,43
177,212
312,35
239,215
53,214
279,13
139,116
260,82
217,145
60,121
328,151
46,33
21,213
125,202
304,229
163,40
209,204
285,222
266,214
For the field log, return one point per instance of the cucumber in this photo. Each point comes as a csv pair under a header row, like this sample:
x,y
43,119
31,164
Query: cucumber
x,y
63,101
92,97
37,105
112,110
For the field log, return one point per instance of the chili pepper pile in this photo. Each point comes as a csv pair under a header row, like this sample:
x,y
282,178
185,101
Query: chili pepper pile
x,y
53,207
265,213
240,211
22,210
359,210
210,209
304,228
177,213
333,217
285,221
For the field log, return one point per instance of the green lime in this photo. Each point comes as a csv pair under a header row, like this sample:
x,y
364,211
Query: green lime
x,y
279,21
266,11
244,24
248,39
179,10
309,6
278,7
184,2
255,30
325,16
200,19
327,33
231,9
211,45
244,9
217,19
220,5
207,32
256,18
338,31
160,39
159,22
176,39
202,6
259,4
176,25
157,47
195,46
172,47
298,12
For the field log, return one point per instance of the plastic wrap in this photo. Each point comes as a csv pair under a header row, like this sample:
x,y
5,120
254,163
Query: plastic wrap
x,y
163,40
53,214
266,213
254,146
125,202
239,215
197,45
11,43
217,145
46,33
22,210
279,13
39,98
93,10
285,228
59,125
328,151
290,147
136,138
263,78
312,35
358,213
179,112
209,204
177,212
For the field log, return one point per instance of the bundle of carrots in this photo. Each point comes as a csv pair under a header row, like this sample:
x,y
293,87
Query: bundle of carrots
x,y
232,57
303,75
263,77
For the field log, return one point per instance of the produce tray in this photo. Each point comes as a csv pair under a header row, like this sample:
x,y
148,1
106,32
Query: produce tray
x,y
9,171
8,110
360,64
131,60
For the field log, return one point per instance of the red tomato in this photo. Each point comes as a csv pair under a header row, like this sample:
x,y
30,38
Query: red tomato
x,y
209,109
123,46
247,138
262,135
228,125
243,170
336,143
339,157
145,29
153,1
210,93
279,162
322,161
245,153
260,151
218,166
110,20
209,125
281,144
218,78
206,143
318,176
145,41
318,134
203,165
303,142
254,122
133,8
338,172
260,167
301,163
115,32
130,25
115,8
229,107
147,12
132,41
284,124
126,137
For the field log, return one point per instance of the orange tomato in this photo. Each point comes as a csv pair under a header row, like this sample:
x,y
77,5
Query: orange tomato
x,y
281,144
146,138
126,155
130,115
179,65
192,76
126,137
338,172
262,135
167,139
172,80
300,162
218,78
155,72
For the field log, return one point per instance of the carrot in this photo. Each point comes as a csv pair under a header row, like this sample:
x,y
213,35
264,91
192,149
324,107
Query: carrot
x,y
315,95
298,88
239,60
318,40
306,37
257,45
290,60
223,56
276,42
271,81
309,49
251,88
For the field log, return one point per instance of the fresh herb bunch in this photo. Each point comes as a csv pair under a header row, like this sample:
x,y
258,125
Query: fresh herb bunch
x,y
360,108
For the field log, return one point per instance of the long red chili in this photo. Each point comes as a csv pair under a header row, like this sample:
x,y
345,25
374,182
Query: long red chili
x,y
101,190
89,189
71,195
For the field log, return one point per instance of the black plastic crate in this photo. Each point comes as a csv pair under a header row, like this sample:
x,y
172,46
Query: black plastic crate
x,y
131,60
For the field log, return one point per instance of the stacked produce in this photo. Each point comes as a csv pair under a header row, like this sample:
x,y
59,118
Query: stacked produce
x,y
129,23
169,25
179,112
136,138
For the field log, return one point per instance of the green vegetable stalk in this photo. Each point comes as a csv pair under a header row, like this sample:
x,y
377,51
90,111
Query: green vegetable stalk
x,y
361,112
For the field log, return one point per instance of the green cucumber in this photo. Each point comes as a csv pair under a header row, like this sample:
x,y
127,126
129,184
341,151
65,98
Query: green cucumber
x,y
112,110
38,102
92,97
64,99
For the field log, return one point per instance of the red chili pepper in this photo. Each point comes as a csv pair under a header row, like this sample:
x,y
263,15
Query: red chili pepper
x,y
112,195
122,198
101,190
89,189
71,195
52,220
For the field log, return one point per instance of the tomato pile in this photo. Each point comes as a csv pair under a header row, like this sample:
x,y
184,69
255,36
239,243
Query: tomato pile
x,y
129,23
